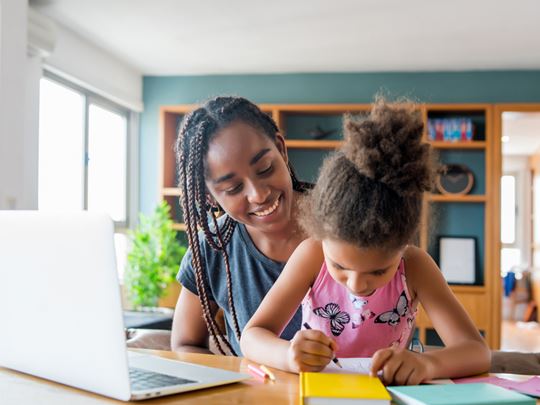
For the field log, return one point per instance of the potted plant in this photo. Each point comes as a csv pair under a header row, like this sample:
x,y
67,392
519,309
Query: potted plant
x,y
154,258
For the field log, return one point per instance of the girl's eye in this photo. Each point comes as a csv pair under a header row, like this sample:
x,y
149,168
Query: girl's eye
x,y
234,190
265,171
379,272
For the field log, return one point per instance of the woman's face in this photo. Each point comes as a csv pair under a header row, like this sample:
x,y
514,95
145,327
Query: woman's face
x,y
247,175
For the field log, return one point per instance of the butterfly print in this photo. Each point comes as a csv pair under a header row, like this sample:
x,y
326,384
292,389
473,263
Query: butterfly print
x,y
357,319
338,319
393,316
410,322
358,303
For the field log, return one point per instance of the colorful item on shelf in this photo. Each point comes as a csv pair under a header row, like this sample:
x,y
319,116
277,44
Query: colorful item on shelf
x,y
459,129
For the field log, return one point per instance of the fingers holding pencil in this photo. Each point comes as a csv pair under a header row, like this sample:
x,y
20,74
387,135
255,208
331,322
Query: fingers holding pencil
x,y
333,345
310,350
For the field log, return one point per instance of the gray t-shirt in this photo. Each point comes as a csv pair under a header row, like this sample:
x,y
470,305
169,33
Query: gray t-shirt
x,y
252,275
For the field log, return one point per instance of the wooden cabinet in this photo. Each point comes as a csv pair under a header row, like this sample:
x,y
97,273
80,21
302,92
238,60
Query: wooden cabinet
x,y
463,215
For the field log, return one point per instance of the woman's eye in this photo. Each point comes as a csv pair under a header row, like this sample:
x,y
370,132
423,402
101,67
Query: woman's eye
x,y
265,171
234,190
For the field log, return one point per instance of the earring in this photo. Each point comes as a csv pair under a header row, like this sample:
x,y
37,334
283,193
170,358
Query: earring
x,y
215,208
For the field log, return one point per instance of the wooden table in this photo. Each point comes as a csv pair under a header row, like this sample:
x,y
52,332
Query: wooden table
x,y
17,388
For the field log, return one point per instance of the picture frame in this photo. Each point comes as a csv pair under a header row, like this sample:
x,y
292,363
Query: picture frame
x,y
457,259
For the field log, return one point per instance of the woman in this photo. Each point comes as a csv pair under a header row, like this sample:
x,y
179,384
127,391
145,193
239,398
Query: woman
x,y
231,157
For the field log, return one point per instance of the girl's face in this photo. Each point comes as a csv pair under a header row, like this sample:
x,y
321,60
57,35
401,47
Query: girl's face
x,y
362,271
247,175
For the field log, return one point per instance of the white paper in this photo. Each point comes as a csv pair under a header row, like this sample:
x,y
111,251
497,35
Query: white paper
x,y
352,365
362,365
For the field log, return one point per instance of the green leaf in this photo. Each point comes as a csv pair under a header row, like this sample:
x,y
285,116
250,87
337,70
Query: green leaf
x,y
154,258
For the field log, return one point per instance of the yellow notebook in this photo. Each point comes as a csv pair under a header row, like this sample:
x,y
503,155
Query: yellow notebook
x,y
325,388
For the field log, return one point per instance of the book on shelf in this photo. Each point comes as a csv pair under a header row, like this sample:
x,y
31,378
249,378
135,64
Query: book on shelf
x,y
330,388
457,394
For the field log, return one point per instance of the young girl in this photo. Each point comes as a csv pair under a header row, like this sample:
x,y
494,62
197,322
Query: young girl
x,y
358,277
232,158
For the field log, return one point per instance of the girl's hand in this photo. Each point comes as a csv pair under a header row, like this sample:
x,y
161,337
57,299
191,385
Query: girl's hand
x,y
310,350
401,367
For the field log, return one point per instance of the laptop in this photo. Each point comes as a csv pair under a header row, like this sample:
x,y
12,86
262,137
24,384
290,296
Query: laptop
x,y
61,313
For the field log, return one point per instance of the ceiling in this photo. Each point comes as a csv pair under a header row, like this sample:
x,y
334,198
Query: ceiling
x,y
523,132
179,37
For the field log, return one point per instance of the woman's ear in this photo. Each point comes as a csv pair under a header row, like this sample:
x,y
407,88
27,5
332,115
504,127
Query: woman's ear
x,y
280,144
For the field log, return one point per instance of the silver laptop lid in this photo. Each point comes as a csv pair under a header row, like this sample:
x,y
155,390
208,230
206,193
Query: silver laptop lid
x,y
60,303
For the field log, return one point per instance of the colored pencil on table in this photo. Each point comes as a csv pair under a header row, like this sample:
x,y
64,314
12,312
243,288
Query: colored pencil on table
x,y
257,372
268,372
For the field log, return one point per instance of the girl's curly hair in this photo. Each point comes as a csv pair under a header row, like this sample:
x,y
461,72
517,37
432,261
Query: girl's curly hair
x,y
369,193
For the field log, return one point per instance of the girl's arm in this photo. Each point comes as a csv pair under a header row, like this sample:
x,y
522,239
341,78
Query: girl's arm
x,y
260,342
189,332
465,351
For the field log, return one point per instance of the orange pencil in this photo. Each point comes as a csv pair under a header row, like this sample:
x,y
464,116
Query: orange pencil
x,y
268,372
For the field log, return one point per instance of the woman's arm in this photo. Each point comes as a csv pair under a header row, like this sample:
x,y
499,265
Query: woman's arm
x,y
465,351
309,349
189,332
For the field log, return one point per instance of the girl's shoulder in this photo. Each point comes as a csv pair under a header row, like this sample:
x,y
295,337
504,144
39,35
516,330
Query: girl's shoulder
x,y
310,245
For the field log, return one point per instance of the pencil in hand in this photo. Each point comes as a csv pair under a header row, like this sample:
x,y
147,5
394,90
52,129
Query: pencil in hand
x,y
335,359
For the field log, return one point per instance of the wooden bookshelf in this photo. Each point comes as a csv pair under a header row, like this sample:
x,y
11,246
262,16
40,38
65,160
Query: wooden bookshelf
x,y
307,153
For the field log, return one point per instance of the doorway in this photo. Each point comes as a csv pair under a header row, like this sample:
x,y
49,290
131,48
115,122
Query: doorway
x,y
517,151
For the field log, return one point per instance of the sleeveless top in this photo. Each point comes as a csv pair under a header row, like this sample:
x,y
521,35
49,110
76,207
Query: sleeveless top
x,y
361,325
252,276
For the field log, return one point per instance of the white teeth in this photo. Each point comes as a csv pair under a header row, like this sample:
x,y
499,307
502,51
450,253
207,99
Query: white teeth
x,y
268,211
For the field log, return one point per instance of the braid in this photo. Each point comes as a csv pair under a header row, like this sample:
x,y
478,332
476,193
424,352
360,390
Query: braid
x,y
191,217
194,136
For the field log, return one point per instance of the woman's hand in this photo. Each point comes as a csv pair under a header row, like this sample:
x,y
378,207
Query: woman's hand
x,y
401,367
310,350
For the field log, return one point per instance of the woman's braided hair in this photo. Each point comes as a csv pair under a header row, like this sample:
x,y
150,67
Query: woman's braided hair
x,y
196,131
369,193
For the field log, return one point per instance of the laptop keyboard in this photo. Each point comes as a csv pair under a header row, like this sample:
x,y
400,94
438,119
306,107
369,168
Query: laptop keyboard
x,y
143,379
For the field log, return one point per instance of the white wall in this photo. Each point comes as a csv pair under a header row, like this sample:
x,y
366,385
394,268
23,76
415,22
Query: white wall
x,y
72,58
79,61
16,168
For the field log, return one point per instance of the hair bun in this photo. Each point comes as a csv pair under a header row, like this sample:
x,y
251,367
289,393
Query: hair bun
x,y
387,146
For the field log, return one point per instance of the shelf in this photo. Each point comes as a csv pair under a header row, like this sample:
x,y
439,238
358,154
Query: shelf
x,y
469,289
479,198
179,227
170,191
458,145
300,143
457,214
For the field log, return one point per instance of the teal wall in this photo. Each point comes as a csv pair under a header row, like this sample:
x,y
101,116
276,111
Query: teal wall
x,y
443,87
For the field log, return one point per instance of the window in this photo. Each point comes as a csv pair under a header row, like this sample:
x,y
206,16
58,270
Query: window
x,y
508,209
83,155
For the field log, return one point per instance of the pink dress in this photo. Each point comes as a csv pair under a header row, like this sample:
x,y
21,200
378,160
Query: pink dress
x,y
361,325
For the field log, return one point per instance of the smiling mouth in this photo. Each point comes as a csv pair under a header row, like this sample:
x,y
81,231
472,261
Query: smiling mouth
x,y
269,210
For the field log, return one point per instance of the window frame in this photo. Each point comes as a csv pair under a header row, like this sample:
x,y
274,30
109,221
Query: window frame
x,y
132,125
